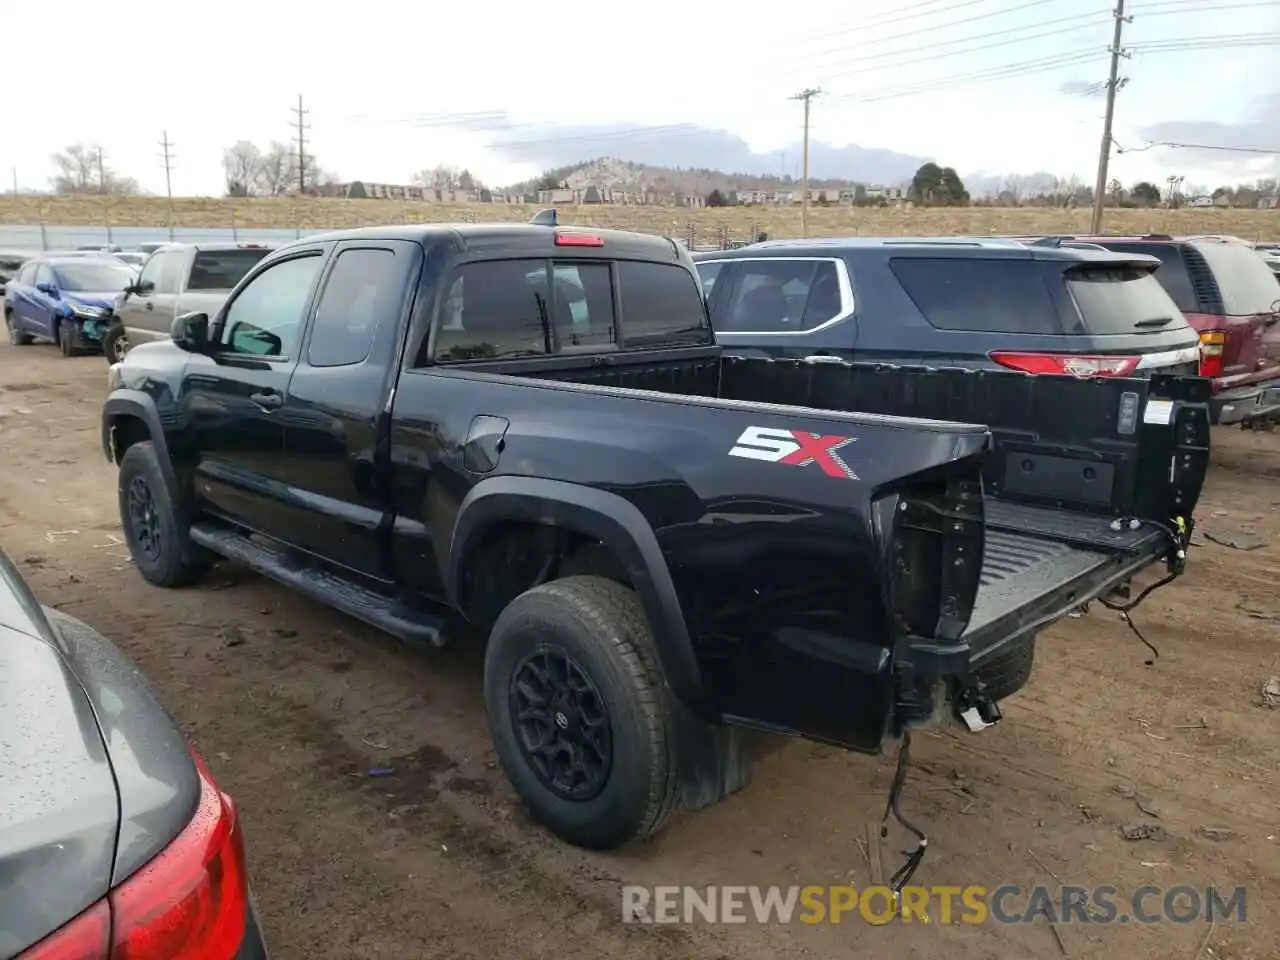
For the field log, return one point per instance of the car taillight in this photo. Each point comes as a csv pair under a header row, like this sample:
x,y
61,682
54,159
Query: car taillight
x,y
189,903
578,240
1211,360
1068,364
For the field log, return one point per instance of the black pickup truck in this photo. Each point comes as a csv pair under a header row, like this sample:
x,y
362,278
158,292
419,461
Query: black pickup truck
x,y
528,433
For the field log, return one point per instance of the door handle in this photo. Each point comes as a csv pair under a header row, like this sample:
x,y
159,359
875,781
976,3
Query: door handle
x,y
822,358
150,305
267,399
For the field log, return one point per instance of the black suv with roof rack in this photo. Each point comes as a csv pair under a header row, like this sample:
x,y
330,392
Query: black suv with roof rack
x,y
1232,298
974,303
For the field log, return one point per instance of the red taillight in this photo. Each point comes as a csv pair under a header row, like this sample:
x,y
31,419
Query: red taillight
x,y
84,938
1211,360
578,240
191,901
1068,364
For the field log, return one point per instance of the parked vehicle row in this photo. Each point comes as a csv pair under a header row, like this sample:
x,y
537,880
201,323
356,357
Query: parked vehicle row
x,y
1083,306
528,434
96,299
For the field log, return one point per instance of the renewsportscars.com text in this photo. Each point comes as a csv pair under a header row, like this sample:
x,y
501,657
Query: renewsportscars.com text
x,y
1006,904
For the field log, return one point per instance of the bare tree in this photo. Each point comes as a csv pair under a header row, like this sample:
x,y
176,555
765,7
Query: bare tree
x,y
445,177
277,170
81,170
241,166
1014,188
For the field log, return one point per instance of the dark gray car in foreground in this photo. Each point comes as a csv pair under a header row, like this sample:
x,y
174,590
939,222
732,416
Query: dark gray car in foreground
x,y
114,840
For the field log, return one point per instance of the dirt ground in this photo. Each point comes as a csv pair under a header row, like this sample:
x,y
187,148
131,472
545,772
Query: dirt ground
x,y
293,705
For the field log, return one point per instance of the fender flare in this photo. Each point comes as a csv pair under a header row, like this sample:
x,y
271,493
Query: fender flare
x,y
603,516
140,406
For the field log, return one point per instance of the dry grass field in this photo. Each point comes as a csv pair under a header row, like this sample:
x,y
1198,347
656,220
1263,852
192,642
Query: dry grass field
x,y
706,225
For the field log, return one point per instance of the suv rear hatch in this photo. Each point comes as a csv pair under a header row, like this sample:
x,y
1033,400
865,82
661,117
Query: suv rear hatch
x,y
1117,311
1239,305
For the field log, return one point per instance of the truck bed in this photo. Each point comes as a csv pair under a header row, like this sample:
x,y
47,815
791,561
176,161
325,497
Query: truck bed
x,y
1039,564
1068,458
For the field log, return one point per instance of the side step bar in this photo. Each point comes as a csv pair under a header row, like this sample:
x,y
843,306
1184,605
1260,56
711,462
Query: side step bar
x,y
378,610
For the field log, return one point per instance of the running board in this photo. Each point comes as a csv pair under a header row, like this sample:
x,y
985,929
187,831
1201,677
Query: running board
x,y
284,566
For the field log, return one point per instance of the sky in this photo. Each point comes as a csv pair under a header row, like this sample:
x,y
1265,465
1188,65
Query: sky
x,y
391,87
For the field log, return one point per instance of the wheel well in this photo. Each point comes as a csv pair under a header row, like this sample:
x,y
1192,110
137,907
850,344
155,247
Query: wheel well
x,y
516,555
126,431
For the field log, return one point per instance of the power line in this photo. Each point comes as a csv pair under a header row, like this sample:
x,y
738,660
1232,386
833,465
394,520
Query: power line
x,y
1104,151
916,31
301,126
806,96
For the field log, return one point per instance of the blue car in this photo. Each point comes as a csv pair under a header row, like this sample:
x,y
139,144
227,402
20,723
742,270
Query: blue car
x,y
68,300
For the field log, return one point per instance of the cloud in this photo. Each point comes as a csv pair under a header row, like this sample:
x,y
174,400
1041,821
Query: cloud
x,y
1259,131
691,146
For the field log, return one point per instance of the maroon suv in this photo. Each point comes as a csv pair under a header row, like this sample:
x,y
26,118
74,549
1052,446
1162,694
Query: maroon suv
x,y
1232,299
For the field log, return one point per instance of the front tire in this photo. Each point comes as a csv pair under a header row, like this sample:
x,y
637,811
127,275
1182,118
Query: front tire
x,y
66,343
155,527
114,345
16,337
579,714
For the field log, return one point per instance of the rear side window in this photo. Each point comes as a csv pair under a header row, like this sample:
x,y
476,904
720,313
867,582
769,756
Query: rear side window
x,y
1120,299
1248,286
782,296
496,310
361,288
660,301
221,269
1172,273
993,296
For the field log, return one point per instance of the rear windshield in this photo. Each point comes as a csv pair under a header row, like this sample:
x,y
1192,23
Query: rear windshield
x,y
221,269
1122,299
1248,286
1172,272
509,309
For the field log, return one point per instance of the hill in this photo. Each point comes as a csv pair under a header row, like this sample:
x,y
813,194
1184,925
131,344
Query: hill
x,y
703,227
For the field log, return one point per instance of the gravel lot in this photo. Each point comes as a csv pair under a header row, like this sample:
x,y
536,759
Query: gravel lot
x,y
293,704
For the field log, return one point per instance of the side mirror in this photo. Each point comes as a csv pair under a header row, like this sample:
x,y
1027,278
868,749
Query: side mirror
x,y
190,331
143,287
45,287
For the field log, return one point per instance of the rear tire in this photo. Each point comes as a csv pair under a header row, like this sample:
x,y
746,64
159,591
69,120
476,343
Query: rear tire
x,y
114,344
16,337
155,527
579,714
1008,671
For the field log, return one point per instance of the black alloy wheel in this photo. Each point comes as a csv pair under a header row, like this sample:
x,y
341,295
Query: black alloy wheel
x,y
144,519
561,724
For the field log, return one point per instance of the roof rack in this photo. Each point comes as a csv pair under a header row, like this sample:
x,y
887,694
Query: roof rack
x,y
1157,236
545,218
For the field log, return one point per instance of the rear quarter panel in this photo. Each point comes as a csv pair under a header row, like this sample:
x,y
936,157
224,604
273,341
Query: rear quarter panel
x,y
761,553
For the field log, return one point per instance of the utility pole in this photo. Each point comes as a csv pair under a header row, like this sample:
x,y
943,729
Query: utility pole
x,y
806,96
301,126
1104,152
166,147
102,177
